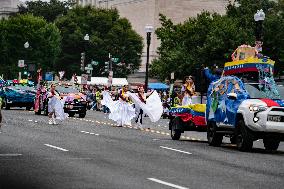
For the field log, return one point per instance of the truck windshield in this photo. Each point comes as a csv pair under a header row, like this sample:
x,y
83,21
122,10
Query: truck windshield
x,y
255,91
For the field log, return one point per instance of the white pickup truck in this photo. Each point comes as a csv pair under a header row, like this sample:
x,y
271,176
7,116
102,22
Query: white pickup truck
x,y
243,112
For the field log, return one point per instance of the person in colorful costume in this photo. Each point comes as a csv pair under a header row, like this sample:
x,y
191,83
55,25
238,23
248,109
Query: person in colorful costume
x,y
189,90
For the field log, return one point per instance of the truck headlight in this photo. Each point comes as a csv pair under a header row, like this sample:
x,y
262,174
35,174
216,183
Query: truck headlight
x,y
257,108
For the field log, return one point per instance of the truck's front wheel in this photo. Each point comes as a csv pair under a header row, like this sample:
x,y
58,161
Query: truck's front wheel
x,y
244,138
214,138
271,144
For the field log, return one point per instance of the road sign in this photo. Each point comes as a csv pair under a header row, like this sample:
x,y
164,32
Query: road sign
x,y
84,79
115,60
173,75
89,67
95,63
21,63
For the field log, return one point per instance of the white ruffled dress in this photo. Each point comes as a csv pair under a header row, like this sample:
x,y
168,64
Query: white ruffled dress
x,y
120,111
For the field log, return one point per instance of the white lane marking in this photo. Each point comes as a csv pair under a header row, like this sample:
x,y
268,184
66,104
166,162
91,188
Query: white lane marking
x,y
9,155
175,150
58,148
30,120
85,132
156,139
166,183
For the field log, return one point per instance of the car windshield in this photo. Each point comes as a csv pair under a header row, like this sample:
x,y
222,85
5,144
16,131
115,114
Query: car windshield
x,y
24,88
66,90
255,91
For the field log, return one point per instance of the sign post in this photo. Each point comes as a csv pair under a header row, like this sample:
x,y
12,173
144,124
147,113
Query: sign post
x,y
21,63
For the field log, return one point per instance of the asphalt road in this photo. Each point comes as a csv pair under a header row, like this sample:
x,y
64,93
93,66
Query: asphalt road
x,y
92,153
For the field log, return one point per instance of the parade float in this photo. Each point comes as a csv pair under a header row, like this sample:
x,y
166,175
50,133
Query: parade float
x,y
245,103
187,118
17,95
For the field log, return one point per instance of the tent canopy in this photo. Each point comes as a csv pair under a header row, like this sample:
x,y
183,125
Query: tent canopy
x,y
158,86
104,81
119,81
99,81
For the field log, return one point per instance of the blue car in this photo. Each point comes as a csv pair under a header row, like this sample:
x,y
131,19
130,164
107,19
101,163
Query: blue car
x,y
18,96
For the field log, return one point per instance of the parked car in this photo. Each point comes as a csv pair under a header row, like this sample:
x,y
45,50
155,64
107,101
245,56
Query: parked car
x,y
245,112
18,96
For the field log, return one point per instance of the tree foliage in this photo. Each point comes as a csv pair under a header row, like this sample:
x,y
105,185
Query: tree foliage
x,y
44,39
210,38
108,34
48,10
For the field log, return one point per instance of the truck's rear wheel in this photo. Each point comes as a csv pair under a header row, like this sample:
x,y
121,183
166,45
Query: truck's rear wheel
x,y
175,133
214,138
244,138
271,144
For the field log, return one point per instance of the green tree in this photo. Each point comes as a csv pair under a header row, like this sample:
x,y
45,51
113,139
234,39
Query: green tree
x,y
108,34
48,10
211,38
206,40
44,40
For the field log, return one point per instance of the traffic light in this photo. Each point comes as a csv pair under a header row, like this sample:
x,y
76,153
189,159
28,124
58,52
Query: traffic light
x,y
106,66
82,61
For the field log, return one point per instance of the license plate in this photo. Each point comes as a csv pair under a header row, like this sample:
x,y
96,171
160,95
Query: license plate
x,y
69,106
274,118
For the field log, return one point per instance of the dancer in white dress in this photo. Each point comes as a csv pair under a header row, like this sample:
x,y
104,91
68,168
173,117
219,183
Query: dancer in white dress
x,y
55,106
121,111
152,105
139,111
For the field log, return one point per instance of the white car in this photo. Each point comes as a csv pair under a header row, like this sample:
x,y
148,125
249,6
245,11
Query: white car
x,y
245,113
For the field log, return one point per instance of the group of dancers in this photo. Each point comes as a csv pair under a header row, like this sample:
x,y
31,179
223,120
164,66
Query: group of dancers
x,y
122,111
129,105
133,105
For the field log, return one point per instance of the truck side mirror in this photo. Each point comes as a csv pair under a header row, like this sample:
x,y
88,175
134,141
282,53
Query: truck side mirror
x,y
232,96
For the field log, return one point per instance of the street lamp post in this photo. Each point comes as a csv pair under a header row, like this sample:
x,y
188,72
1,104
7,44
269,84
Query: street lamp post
x,y
149,29
259,17
26,45
83,55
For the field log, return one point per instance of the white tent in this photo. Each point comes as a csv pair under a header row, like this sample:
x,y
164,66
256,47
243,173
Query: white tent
x,y
119,81
104,81
99,81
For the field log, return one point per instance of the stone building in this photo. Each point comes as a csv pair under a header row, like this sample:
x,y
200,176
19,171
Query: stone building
x,y
8,7
143,12
146,12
